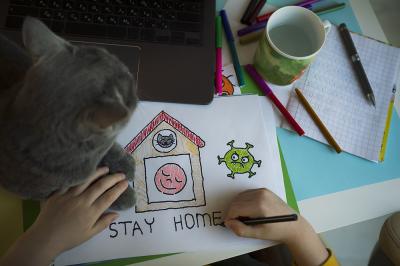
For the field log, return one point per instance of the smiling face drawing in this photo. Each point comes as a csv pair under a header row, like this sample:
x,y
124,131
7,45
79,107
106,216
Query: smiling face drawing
x,y
170,179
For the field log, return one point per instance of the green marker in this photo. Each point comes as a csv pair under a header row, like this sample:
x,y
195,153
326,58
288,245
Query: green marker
x,y
218,31
329,9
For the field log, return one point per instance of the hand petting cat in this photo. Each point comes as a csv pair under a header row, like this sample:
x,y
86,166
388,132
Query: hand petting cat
x,y
68,219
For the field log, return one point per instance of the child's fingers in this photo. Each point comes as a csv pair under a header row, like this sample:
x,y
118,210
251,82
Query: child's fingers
x,y
254,203
243,230
105,200
77,190
58,193
250,209
100,186
253,195
103,222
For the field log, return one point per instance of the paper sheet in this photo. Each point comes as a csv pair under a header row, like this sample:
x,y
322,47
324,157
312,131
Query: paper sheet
x,y
180,152
332,88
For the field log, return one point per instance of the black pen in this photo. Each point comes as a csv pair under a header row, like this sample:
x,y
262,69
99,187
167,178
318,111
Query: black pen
x,y
267,220
356,62
249,11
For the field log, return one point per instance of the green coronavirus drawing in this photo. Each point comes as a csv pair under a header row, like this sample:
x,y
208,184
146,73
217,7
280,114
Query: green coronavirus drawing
x,y
239,160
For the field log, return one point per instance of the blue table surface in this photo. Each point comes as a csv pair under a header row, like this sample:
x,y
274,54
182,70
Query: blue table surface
x,y
315,169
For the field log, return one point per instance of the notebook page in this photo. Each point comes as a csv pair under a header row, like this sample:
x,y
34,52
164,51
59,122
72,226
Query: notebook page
x,y
331,86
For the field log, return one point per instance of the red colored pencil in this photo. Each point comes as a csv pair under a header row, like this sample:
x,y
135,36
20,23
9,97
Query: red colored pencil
x,y
264,17
269,93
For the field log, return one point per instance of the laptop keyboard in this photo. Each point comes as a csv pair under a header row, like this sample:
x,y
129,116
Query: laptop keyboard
x,y
160,21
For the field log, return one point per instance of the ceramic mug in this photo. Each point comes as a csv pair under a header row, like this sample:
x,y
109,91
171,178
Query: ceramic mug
x,y
293,37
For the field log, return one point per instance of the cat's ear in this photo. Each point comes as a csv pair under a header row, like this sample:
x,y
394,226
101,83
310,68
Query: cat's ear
x,y
39,39
103,116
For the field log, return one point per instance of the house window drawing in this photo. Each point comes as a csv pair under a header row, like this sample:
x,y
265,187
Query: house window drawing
x,y
168,166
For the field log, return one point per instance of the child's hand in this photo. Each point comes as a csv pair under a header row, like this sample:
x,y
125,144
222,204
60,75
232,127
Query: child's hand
x,y
68,219
301,239
78,214
260,203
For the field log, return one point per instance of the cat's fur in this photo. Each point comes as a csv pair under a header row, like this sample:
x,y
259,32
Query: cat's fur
x,y
61,107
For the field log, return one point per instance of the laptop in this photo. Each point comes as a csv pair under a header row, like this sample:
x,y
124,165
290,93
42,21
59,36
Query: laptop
x,y
168,43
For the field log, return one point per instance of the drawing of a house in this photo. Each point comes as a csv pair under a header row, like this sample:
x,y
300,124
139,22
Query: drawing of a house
x,y
168,168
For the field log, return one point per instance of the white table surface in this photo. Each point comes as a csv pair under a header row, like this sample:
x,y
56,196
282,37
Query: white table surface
x,y
326,212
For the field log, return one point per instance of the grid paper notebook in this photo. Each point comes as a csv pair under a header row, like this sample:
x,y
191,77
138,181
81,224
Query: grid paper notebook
x,y
331,86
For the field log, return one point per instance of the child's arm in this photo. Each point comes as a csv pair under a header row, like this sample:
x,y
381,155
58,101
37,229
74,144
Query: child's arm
x,y
67,220
301,239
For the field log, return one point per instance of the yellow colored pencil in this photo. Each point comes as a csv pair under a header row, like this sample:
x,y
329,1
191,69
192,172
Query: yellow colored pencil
x,y
387,127
318,121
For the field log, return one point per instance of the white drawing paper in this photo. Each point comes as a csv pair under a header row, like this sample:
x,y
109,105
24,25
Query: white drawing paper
x,y
182,190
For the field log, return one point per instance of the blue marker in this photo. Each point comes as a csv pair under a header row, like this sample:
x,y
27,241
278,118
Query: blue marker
x,y
232,48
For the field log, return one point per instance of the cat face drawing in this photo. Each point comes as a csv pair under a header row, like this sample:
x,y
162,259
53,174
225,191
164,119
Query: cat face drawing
x,y
164,140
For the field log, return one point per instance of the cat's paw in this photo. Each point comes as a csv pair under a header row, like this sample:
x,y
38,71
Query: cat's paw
x,y
124,164
127,166
125,201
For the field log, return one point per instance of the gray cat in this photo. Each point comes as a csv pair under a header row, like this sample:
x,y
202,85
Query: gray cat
x,y
61,107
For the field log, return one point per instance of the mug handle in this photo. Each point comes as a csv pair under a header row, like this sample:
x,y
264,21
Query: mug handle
x,y
327,26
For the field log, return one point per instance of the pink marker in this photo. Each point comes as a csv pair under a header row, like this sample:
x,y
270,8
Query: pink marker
x,y
269,93
218,65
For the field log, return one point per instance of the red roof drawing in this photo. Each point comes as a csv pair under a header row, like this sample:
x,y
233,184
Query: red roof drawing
x,y
163,117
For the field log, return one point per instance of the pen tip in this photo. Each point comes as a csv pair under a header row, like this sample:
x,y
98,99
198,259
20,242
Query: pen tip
x,y
372,99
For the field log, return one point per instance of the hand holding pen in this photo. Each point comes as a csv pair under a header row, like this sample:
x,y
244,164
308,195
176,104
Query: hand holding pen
x,y
299,236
